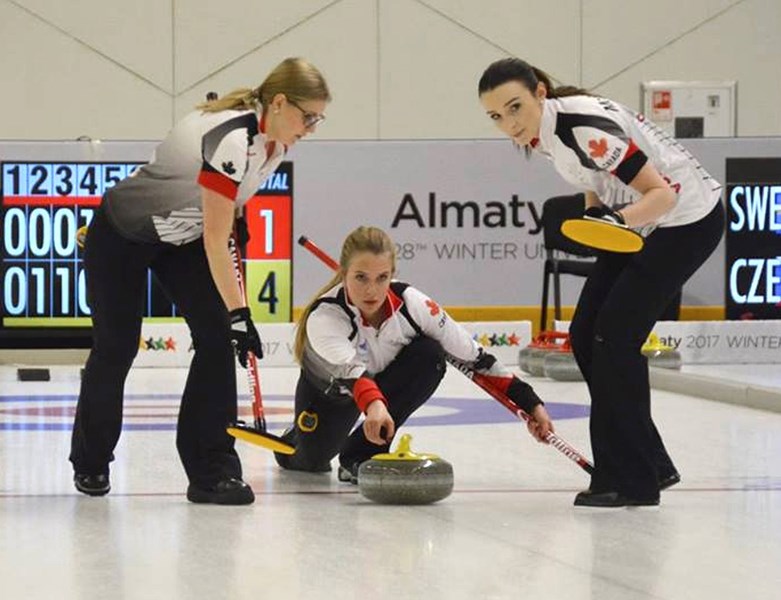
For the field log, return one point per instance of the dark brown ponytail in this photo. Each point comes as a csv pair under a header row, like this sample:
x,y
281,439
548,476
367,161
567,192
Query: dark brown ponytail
x,y
515,69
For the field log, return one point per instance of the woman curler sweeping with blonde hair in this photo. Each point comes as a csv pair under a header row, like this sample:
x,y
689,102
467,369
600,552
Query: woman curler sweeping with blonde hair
x,y
175,216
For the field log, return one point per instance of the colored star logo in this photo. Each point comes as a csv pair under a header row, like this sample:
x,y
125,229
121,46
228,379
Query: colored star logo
x,y
170,344
513,340
484,340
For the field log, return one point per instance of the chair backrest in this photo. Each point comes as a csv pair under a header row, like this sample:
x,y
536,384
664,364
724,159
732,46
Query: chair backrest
x,y
555,211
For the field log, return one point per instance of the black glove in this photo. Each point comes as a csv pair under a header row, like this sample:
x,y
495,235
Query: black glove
x,y
523,395
518,391
244,336
605,214
485,360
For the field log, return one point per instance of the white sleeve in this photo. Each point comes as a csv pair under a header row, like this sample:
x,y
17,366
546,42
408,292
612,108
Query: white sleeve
x,y
437,324
224,153
328,332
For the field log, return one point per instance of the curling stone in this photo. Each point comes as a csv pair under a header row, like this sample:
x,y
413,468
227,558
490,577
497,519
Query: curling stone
x,y
660,354
405,477
559,364
525,353
535,359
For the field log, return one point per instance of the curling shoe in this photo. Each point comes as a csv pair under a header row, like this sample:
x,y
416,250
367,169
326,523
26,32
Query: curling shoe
x,y
611,500
293,462
348,475
669,480
92,485
231,491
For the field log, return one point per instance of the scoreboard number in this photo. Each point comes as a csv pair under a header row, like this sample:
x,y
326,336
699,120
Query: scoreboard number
x,y
42,207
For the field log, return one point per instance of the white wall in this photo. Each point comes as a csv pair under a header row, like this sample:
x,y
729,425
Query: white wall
x,y
118,69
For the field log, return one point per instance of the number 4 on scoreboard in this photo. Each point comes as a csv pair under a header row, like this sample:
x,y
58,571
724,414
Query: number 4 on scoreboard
x,y
269,290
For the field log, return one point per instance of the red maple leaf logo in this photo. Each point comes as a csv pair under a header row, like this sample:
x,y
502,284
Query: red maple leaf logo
x,y
597,149
433,307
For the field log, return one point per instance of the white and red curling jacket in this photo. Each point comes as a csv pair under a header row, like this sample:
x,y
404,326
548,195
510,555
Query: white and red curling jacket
x,y
227,152
342,350
599,145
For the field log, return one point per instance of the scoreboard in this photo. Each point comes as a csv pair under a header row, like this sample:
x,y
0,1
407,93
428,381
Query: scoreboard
x,y
269,252
42,206
753,238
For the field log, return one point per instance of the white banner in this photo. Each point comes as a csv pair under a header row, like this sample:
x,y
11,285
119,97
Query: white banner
x,y
170,345
464,213
718,342
503,339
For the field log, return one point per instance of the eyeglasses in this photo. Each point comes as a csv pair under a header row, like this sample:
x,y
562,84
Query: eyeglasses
x,y
310,118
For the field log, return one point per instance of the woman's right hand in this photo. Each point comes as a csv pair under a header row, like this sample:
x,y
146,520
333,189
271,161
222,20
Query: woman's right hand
x,y
378,425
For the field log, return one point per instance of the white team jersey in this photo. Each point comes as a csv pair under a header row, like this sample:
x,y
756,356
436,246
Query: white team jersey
x,y
341,346
599,145
225,151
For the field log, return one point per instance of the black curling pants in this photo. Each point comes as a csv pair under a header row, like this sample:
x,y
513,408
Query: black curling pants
x,y
407,383
620,302
116,271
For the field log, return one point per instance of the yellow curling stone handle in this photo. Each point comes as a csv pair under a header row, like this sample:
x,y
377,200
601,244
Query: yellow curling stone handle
x,y
653,343
403,452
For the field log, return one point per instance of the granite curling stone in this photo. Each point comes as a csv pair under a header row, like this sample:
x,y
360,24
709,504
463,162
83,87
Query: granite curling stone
x,y
528,351
560,364
550,342
660,354
405,477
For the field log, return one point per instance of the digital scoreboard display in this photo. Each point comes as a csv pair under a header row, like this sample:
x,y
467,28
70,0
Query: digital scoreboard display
x,y
269,253
753,238
42,206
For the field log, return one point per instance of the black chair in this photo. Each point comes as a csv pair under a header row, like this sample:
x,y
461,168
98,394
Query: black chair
x,y
555,211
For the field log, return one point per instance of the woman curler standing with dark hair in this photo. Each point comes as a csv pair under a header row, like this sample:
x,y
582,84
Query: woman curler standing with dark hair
x,y
618,158
175,216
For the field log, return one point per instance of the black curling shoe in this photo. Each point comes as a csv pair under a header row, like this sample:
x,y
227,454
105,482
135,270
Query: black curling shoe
x,y
669,481
92,485
227,492
348,474
611,500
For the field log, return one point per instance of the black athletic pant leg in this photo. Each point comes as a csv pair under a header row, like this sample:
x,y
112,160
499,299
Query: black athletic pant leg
x,y
209,400
616,311
407,383
327,423
115,275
